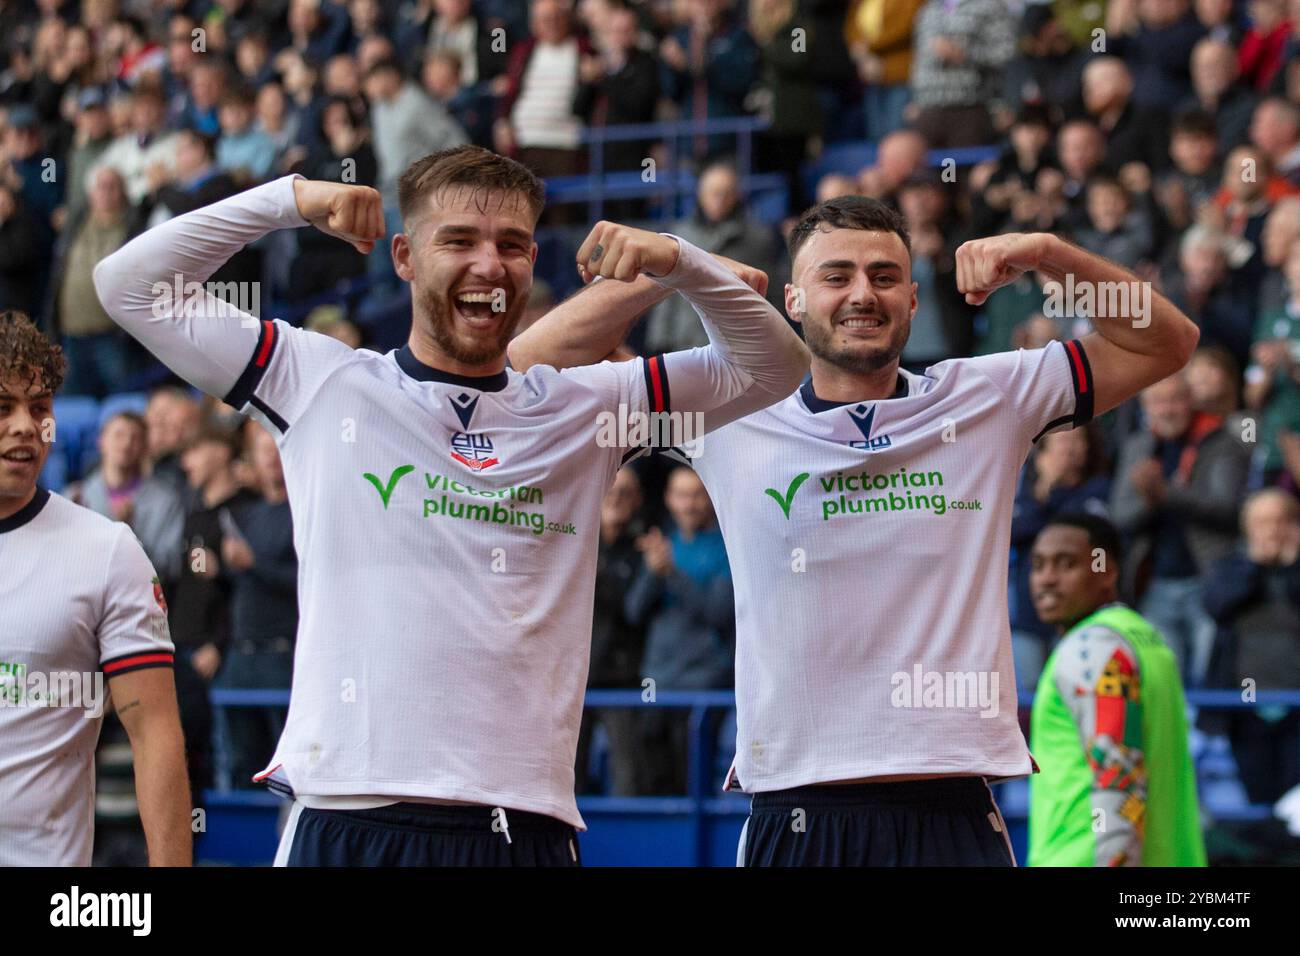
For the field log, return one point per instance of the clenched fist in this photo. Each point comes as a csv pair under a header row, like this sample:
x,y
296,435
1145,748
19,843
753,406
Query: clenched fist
x,y
354,214
986,265
621,252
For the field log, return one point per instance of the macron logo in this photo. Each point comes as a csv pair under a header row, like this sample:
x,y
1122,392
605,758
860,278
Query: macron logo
x,y
102,909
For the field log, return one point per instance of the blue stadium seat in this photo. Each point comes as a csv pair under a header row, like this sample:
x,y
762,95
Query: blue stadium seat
x,y
54,476
76,419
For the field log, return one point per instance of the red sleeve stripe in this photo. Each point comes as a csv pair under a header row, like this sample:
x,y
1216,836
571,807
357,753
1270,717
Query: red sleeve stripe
x,y
656,384
1080,376
268,340
133,662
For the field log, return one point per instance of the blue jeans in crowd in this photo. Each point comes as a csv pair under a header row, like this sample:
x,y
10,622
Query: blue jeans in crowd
x,y
1173,606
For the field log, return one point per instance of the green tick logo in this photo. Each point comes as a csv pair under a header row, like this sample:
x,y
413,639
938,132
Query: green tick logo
x,y
788,498
386,491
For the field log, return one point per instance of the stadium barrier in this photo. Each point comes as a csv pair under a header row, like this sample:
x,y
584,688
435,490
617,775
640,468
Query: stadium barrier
x,y
701,827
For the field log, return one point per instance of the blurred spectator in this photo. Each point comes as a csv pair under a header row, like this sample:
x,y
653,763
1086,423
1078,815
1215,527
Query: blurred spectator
x,y
193,181
710,64
346,156
299,78
1133,134
1254,598
1201,286
406,125
942,324
173,418
101,356
899,156
1261,47
1216,90
1177,493
456,28
1155,38
93,136
121,489
1047,70
1115,228
682,596
616,643
803,59
1275,128
179,70
19,253
1192,182
960,48
1219,20
1214,380
879,37
996,183
536,119
145,145
317,30
27,168
619,85
243,150
276,122
1081,150
208,81
719,225
198,608
472,107
253,59
1066,473
366,18
131,51
258,558
342,77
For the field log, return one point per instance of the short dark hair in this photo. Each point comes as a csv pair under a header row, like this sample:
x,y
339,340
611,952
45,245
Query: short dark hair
x,y
27,355
849,212
1194,123
472,166
207,142
1101,533
385,64
214,433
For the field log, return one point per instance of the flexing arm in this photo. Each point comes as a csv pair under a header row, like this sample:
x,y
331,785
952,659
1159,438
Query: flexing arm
x,y
1107,708
194,333
1148,340
591,324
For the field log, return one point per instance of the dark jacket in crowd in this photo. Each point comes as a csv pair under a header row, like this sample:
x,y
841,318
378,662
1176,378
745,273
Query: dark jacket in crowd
x,y
627,96
264,599
1202,504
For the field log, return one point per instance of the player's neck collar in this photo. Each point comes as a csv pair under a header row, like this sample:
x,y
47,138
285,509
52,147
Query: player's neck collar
x,y
26,513
816,404
413,367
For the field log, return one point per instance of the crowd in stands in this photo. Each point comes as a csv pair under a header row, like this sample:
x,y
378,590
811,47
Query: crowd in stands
x,y
1164,134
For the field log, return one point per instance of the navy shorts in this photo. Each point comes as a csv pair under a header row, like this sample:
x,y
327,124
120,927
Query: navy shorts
x,y
952,821
422,834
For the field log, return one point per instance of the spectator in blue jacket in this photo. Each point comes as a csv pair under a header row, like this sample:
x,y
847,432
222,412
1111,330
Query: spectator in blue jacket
x,y
683,597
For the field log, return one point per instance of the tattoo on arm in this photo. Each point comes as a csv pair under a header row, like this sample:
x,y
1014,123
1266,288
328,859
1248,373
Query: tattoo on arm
x,y
125,707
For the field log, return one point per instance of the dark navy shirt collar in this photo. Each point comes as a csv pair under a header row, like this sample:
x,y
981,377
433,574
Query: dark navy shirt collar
x,y
816,404
413,367
26,513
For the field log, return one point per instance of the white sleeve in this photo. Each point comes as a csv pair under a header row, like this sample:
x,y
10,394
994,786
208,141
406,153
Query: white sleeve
x,y
1048,388
133,630
753,358
154,286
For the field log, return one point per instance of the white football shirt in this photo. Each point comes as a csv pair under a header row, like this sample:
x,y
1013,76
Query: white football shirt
x,y
446,527
79,604
869,545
